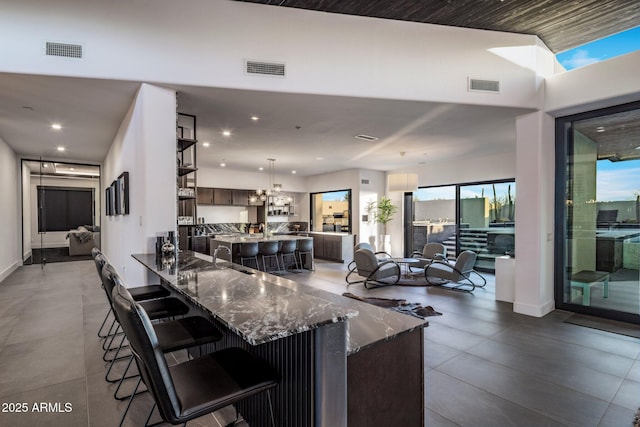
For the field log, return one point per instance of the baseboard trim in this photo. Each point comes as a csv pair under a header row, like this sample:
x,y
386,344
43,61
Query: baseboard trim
x,y
7,272
534,310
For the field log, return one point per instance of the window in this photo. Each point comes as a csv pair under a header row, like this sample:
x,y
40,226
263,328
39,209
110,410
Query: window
x,y
64,208
331,211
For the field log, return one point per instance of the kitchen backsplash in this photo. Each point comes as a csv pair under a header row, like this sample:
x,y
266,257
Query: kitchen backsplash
x,y
245,227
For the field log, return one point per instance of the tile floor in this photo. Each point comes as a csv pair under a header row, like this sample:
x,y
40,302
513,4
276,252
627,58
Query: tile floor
x,y
484,365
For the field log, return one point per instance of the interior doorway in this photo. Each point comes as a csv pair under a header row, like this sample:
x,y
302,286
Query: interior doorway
x,y
60,211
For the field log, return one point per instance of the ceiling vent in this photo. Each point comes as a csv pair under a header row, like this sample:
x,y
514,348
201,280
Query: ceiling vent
x,y
364,181
477,85
65,50
367,137
262,68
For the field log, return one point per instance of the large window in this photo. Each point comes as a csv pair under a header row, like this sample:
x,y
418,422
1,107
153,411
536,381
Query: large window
x,y
331,211
64,208
598,213
479,217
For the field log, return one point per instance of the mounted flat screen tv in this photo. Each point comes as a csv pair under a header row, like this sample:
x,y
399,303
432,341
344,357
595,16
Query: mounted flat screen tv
x,y
64,208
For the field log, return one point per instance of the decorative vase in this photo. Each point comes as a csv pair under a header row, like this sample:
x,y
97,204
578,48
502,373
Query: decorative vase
x,y
372,242
385,243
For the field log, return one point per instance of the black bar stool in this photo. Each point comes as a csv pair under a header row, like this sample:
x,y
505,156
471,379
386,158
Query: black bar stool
x,y
288,251
305,247
269,249
197,387
249,251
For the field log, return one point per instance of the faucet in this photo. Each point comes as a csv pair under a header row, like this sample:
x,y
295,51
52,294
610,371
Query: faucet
x,y
218,249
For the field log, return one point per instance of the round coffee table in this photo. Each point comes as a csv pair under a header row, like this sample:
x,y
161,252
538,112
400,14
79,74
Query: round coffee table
x,y
407,262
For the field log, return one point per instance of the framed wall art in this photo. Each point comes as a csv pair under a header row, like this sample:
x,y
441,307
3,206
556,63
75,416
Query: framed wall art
x,y
123,193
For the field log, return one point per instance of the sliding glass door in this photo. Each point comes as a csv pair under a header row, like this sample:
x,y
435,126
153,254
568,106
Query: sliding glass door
x,y
478,217
598,213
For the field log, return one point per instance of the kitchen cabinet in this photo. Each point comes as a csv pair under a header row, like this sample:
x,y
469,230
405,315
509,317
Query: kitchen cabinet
x,y
205,196
240,197
222,196
333,246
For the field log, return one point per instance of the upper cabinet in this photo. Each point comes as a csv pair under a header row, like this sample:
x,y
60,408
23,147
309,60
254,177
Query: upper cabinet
x,y
186,144
223,196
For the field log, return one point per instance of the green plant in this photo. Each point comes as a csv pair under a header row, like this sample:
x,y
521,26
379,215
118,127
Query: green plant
x,y
385,211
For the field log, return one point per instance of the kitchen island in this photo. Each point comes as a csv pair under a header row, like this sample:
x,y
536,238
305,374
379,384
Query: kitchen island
x,y
234,242
342,361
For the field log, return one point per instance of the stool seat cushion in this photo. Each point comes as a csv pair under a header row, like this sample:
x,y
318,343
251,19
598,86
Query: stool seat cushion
x,y
140,293
186,332
219,379
165,307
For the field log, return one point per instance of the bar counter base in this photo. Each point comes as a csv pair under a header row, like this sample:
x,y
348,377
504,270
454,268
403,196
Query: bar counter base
x,y
385,383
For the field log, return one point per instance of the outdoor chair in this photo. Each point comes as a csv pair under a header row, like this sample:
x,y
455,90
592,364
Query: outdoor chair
x,y
455,276
376,272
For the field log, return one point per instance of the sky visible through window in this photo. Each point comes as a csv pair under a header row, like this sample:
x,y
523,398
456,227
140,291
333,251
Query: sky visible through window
x,y
601,50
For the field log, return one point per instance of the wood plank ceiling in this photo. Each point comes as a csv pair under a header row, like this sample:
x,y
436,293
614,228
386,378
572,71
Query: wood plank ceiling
x,y
560,24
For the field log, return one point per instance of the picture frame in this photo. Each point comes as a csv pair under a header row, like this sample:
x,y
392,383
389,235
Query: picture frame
x,y
123,193
107,200
113,189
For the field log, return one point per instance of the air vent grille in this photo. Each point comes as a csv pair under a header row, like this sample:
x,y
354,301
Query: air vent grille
x,y
265,68
63,49
477,85
364,181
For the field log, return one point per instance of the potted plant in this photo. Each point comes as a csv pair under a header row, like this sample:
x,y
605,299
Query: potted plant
x,y
385,211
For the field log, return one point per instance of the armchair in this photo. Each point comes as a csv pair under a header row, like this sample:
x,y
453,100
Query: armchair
x,y
375,272
381,255
458,274
430,252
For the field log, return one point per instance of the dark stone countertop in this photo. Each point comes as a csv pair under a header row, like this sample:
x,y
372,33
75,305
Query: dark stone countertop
x,y
261,307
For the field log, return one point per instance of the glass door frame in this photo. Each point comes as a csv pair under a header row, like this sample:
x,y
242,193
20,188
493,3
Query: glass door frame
x,y
408,209
563,148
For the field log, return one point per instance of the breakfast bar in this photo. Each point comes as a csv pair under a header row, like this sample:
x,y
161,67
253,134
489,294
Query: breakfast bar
x,y
342,362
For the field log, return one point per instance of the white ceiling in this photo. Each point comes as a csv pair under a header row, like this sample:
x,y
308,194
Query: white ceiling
x,y
294,129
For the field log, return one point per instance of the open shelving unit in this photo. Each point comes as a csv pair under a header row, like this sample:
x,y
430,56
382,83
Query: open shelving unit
x,y
186,176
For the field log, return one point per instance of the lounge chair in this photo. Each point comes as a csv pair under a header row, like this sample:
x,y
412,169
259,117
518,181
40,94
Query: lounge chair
x,y
455,276
376,272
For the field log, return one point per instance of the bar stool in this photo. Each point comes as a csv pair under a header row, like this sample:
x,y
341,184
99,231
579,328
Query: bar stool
x,y
269,250
249,251
305,247
288,250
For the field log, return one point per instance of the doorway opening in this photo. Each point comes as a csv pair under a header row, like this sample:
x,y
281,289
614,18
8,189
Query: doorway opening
x,y
60,211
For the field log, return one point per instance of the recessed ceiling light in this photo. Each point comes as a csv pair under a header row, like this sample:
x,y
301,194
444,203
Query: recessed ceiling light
x,y
600,129
26,107
60,148
56,126
319,158
293,171
261,168
255,118
223,164
366,137
72,169
226,133
205,144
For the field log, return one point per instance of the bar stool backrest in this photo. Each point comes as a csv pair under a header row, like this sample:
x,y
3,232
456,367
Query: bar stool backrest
x,y
269,248
143,343
109,274
305,245
248,249
288,247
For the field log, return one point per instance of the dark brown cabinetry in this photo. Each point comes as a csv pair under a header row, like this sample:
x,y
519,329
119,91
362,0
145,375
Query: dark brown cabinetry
x,y
223,196
333,247
205,196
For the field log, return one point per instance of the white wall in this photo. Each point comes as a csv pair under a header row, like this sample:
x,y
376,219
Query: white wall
x,y
55,239
598,85
358,56
145,146
535,180
10,236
